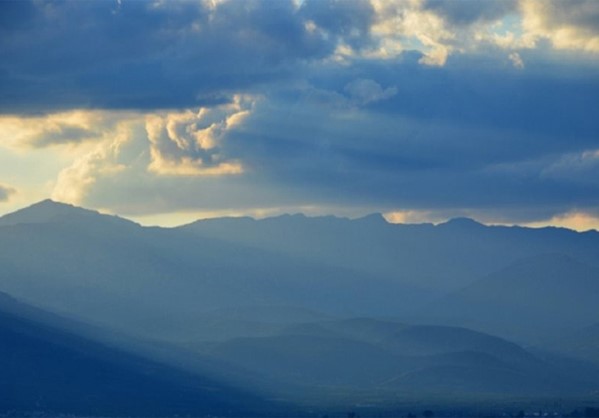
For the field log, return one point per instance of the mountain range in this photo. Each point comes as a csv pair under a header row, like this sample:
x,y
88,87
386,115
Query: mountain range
x,y
311,311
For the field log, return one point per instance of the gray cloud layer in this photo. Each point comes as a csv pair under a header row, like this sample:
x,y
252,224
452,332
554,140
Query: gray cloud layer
x,y
326,128
160,54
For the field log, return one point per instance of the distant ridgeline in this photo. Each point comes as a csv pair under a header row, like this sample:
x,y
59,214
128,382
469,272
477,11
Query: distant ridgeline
x,y
294,316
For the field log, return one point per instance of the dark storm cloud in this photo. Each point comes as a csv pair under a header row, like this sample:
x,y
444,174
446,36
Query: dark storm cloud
x,y
322,129
386,135
482,138
582,14
148,55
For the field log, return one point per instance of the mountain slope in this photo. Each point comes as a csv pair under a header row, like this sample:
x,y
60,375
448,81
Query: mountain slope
x,y
582,344
160,282
49,370
444,257
369,354
535,298
54,212
153,276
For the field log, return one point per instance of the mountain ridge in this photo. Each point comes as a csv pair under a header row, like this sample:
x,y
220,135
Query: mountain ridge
x,y
49,210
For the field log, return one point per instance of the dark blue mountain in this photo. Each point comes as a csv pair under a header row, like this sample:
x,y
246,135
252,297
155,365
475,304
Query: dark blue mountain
x,y
49,370
443,258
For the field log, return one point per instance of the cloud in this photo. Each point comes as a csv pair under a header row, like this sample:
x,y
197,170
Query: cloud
x,y
467,12
152,55
567,25
75,182
349,22
73,127
418,108
410,216
402,25
580,221
455,142
190,143
6,192
516,60
363,91
143,147
578,168
148,56
442,28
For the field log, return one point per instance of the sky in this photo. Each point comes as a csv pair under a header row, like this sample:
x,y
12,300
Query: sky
x,y
423,110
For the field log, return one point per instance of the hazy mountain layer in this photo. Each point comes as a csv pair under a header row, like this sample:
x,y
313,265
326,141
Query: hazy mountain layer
x,y
373,354
153,276
532,299
443,257
272,304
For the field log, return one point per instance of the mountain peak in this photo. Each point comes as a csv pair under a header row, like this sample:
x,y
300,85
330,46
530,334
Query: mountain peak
x,y
462,222
49,203
49,210
373,218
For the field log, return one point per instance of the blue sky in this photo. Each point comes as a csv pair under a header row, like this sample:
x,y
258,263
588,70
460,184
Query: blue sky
x,y
165,111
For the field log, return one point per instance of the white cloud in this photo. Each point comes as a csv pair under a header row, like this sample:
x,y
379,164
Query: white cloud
x,y
126,144
439,29
189,143
74,182
567,25
65,128
400,26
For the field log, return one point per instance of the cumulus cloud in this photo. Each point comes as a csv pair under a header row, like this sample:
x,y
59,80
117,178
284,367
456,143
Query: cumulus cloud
x,y
567,25
142,147
441,28
75,181
400,26
438,28
190,143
